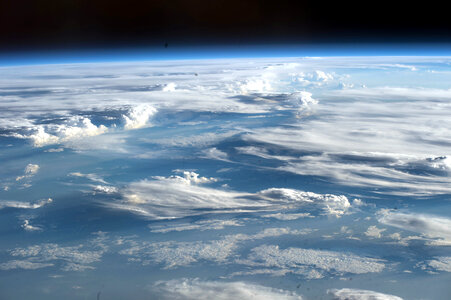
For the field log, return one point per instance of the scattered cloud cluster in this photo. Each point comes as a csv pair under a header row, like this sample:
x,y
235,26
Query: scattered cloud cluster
x,y
172,254
299,260
357,294
71,258
139,116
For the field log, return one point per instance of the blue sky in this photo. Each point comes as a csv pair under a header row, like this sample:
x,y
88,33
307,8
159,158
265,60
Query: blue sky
x,y
181,52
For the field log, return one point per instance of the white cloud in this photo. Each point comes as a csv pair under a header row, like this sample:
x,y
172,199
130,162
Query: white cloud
x,y
176,196
196,289
74,258
23,264
105,189
396,92
173,254
256,86
302,99
170,87
374,232
199,225
25,205
30,170
214,153
72,129
297,259
76,267
28,227
199,140
441,263
356,294
397,147
92,177
327,203
287,216
430,226
138,116
53,150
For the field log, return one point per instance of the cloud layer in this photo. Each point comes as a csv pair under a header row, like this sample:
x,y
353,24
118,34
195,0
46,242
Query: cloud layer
x,y
179,196
196,289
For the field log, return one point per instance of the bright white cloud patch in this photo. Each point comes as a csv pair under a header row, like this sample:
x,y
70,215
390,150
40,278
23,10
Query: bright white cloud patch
x,y
356,294
196,289
72,129
138,116
431,226
25,205
302,99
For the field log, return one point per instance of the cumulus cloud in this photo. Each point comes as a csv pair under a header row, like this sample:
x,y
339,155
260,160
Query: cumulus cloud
x,y
105,189
302,99
357,294
28,227
25,205
374,232
196,289
138,116
326,203
73,128
30,170
430,226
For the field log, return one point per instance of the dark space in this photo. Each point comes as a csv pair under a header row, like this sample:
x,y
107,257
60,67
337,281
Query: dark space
x,y
29,24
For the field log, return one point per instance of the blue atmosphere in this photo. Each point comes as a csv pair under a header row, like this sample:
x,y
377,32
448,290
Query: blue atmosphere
x,y
182,52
